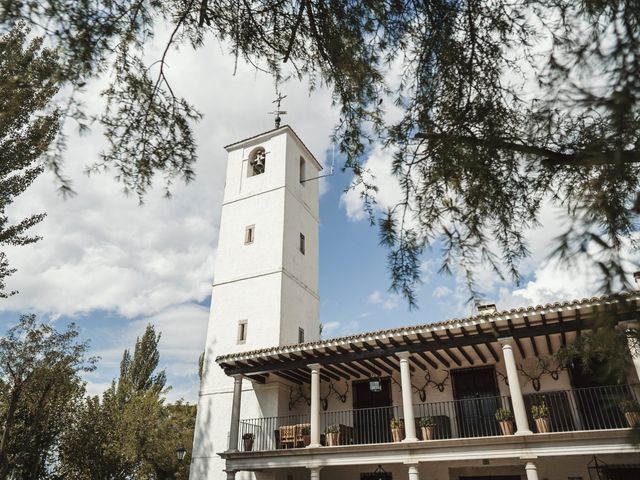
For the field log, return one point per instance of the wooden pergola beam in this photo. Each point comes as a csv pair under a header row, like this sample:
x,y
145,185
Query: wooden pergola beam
x,y
546,336
431,347
424,356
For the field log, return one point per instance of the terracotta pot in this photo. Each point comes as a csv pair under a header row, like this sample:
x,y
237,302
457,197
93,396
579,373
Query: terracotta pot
x,y
633,418
333,439
397,434
543,425
427,433
306,439
248,444
507,427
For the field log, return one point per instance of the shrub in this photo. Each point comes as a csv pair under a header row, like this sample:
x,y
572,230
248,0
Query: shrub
x,y
333,429
540,411
629,405
503,414
427,422
305,430
396,423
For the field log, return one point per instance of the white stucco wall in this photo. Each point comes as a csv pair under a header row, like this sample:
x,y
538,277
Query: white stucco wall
x,y
268,283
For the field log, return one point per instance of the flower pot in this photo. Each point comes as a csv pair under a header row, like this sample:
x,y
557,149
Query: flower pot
x,y
248,444
306,439
397,434
507,427
543,425
633,418
333,439
427,433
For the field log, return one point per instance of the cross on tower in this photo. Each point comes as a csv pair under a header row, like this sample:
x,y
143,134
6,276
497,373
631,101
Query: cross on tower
x,y
277,112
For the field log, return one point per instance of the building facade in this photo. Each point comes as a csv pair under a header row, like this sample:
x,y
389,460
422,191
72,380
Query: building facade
x,y
468,399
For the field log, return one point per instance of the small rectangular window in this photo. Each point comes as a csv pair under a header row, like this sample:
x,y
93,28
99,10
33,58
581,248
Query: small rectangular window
x,y
249,234
302,244
302,171
242,331
300,335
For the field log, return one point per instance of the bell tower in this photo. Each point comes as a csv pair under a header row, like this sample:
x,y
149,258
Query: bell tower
x,y
265,290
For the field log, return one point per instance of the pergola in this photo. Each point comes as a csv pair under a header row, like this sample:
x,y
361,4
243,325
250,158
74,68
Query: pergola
x,y
477,340
471,341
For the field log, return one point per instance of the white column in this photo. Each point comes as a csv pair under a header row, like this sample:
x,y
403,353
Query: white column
x,y
315,472
519,410
235,414
315,406
532,472
413,472
407,398
231,474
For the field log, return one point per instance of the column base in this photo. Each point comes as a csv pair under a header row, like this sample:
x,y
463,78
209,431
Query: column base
x,y
231,450
411,439
523,432
314,445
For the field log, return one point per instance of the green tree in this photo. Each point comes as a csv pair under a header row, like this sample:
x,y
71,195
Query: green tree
x,y
505,106
40,385
28,82
130,432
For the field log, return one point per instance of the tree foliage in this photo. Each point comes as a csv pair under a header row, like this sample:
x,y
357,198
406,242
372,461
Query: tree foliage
x,y
28,82
129,432
40,386
504,106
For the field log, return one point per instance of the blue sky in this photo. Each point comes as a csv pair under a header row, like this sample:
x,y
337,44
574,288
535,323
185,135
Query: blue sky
x,y
113,266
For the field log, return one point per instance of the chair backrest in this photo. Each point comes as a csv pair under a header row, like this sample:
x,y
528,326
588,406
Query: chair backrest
x,y
287,433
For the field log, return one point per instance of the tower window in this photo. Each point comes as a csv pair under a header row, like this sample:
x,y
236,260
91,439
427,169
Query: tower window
x,y
302,244
300,335
257,162
302,171
249,234
242,331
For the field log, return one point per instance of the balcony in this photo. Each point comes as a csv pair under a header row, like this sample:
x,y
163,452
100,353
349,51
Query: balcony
x,y
583,409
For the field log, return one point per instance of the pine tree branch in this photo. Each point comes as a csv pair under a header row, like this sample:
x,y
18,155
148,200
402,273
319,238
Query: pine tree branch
x,y
550,157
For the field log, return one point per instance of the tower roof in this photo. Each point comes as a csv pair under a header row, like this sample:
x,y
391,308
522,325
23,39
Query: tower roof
x,y
270,133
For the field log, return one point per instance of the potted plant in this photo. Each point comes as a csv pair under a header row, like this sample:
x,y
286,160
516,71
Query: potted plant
x,y
427,426
397,429
505,417
333,435
247,440
541,416
305,431
631,410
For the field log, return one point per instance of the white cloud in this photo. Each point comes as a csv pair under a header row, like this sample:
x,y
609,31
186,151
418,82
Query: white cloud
x,y
378,170
375,297
441,291
103,251
387,301
329,328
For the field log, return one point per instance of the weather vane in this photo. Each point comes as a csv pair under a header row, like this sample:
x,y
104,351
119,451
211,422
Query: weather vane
x,y
277,112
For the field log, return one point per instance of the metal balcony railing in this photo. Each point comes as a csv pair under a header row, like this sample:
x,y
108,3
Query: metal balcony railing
x,y
593,408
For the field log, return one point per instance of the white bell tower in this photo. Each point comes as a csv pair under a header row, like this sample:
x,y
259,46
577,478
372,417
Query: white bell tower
x,y
265,290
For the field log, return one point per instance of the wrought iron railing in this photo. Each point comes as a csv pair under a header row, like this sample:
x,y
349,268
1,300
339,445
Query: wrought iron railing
x,y
594,408
471,417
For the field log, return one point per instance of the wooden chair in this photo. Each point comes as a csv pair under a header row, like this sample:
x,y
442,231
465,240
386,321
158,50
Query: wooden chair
x,y
288,436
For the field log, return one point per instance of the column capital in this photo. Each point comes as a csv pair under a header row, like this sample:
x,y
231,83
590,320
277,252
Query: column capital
x,y
314,367
404,355
315,468
505,342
